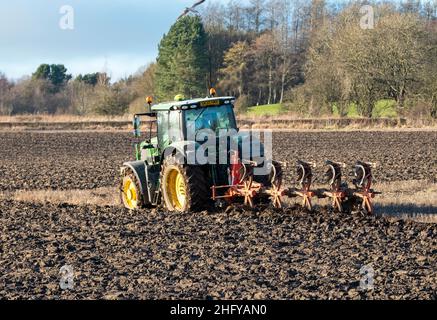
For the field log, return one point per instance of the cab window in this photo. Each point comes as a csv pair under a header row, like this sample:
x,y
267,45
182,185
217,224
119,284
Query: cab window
x,y
213,118
163,136
175,133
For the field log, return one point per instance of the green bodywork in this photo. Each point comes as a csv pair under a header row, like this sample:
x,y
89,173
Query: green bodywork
x,y
147,150
173,119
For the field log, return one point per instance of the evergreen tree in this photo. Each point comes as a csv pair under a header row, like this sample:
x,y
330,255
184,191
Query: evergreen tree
x,y
55,73
182,64
91,79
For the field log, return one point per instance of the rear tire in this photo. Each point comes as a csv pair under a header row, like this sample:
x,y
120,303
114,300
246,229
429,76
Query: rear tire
x,y
184,188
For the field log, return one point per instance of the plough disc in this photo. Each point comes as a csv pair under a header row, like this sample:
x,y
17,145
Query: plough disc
x,y
276,193
248,192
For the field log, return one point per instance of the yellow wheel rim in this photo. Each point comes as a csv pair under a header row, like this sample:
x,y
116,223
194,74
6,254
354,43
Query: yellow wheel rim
x,y
176,190
130,194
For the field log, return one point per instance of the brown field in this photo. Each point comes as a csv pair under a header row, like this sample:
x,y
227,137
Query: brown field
x,y
59,205
289,122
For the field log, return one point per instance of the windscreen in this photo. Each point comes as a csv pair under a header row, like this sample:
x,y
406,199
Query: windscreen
x,y
213,118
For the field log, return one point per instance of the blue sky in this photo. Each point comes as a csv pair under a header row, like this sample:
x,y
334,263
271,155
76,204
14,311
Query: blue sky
x,y
119,36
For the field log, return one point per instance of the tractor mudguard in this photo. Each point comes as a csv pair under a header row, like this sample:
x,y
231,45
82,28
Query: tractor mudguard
x,y
139,170
148,176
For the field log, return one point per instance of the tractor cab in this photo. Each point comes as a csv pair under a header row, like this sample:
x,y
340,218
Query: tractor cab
x,y
178,122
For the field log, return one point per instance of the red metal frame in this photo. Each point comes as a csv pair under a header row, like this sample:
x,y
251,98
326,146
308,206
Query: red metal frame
x,y
243,186
367,194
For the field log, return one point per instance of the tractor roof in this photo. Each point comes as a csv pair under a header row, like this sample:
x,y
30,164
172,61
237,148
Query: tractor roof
x,y
205,102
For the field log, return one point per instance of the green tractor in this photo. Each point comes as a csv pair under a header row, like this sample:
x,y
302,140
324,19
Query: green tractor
x,y
195,157
167,170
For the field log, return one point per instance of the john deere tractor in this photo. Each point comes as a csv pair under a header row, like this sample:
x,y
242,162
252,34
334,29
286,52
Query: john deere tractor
x,y
195,156
167,171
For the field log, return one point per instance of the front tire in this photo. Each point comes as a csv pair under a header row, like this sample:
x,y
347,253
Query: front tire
x,y
184,188
130,192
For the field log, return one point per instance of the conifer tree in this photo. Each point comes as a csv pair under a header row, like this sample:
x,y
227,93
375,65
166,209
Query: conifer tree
x,y
182,64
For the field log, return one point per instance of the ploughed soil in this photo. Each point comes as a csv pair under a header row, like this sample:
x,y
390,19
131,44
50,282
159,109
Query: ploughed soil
x,y
92,160
232,253
237,254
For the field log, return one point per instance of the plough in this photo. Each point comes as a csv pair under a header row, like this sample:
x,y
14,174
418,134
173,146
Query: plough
x,y
343,198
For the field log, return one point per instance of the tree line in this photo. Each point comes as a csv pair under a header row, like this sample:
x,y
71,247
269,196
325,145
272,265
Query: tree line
x,y
314,57
317,59
51,90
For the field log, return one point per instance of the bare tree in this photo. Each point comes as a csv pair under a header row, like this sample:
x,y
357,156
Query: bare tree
x,y
5,87
255,15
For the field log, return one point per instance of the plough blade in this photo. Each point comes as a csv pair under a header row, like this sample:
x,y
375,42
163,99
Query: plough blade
x,y
276,193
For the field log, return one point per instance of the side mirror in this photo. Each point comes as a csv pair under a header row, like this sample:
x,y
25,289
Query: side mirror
x,y
137,125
